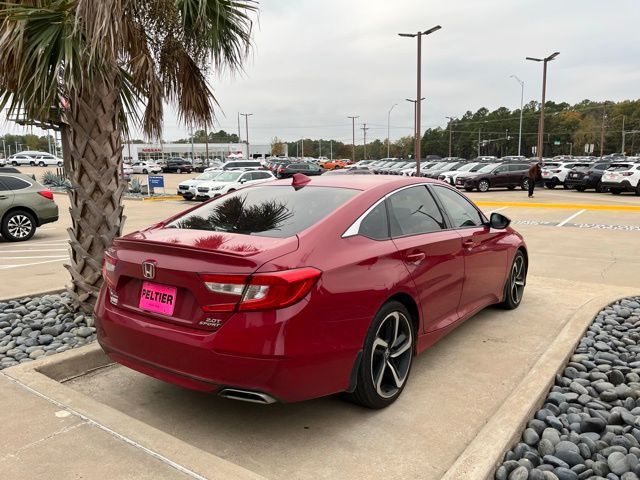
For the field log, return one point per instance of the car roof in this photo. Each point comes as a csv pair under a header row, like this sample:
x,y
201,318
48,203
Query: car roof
x,y
362,182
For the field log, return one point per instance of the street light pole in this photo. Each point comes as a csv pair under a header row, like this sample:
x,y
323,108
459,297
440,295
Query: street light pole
x,y
419,35
544,93
389,130
604,117
623,139
521,106
415,131
364,130
246,129
450,124
353,133
479,134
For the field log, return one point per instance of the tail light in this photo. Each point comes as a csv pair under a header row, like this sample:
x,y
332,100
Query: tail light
x,y
281,170
262,291
48,194
627,174
109,269
556,171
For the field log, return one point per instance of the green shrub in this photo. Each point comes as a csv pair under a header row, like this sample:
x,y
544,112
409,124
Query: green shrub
x,y
135,186
50,179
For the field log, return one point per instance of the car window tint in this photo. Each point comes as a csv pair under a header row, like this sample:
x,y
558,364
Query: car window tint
x,y
414,211
3,187
502,169
461,212
14,183
269,211
604,166
375,225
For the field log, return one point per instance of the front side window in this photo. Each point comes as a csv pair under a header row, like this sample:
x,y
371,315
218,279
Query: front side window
x,y
462,213
414,211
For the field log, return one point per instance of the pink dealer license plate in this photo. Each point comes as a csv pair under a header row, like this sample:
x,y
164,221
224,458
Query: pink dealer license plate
x,y
158,298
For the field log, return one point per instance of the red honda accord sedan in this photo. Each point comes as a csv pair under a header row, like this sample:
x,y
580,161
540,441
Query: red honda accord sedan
x,y
293,290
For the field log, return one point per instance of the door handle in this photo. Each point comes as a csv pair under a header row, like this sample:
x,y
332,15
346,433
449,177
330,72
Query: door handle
x,y
2,197
468,243
415,257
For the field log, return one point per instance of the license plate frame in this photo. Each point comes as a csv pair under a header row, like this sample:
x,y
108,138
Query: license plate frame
x,y
158,298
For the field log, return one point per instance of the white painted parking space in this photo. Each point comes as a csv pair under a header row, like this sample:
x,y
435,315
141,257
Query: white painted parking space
x,y
567,220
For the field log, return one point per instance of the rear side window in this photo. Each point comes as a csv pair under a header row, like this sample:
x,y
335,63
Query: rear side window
x,y
13,183
414,211
375,225
462,213
273,211
604,166
516,167
3,187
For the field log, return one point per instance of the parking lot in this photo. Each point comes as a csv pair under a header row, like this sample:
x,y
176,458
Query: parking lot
x,y
582,246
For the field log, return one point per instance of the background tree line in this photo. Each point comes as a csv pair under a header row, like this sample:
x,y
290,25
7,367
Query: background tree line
x,y
568,128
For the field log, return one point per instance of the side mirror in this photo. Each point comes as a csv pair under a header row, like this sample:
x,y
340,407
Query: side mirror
x,y
498,221
243,180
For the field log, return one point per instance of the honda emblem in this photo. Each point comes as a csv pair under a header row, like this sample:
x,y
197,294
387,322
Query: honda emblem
x,y
149,269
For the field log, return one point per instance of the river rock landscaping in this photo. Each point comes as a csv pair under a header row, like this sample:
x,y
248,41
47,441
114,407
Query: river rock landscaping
x,y
35,327
589,425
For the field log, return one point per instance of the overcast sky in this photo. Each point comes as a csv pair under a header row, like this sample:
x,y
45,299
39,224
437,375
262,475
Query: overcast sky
x,y
316,61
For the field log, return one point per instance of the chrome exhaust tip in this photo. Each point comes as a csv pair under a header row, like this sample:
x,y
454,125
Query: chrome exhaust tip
x,y
246,396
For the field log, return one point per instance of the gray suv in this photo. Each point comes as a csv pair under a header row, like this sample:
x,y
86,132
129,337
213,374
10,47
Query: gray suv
x,y
24,206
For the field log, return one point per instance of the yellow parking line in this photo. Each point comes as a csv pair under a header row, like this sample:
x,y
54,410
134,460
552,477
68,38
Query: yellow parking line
x,y
160,199
573,206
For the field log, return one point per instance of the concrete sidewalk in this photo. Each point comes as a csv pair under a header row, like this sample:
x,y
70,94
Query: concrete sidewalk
x,y
41,440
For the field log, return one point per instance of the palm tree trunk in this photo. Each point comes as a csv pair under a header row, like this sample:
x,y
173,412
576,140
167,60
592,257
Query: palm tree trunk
x,y
93,159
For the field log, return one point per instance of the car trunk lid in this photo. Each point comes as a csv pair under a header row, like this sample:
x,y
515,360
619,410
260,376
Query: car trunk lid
x,y
159,272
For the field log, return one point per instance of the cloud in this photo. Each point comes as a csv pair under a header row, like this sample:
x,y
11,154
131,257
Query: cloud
x,y
315,62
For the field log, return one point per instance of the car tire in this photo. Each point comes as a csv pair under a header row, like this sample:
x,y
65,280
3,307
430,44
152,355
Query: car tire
x,y
178,170
615,191
516,281
384,369
41,164
550,185
468,189
638,189
511,187
59,164
18,226
32,164
145,171
525,184
580,189
14,163
483,186
565,186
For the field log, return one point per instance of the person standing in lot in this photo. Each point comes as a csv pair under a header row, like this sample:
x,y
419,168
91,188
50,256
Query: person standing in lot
x,y
534,175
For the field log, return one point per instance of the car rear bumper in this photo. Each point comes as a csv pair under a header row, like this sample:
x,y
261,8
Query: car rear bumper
x,y
203,360
624,186
47,214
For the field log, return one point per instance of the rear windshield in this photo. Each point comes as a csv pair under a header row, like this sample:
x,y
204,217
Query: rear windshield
x,y
620,167
266,211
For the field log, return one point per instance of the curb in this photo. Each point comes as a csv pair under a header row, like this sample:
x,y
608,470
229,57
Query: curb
x,y
484,454
566,206
46,292
45,378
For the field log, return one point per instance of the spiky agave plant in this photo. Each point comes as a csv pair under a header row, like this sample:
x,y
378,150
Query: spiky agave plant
x,y
88,67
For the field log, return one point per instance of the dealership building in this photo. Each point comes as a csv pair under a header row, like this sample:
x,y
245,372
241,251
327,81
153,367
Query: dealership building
x,y
134,152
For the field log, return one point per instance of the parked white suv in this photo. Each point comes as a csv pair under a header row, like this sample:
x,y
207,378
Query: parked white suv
x,y
230,181
47,161
555,173
189,188
146,167
622,177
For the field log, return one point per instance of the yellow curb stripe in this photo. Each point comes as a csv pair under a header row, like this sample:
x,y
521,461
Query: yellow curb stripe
x,y
567,206
160,199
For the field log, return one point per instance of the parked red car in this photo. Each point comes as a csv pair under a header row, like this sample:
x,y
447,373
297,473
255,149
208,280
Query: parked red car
x,y
292,290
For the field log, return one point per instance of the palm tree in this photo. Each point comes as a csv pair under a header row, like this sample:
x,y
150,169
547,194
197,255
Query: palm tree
x,y
87,67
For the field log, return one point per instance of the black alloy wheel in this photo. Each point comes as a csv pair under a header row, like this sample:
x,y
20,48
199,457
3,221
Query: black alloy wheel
x,y
18,226
387,358
516,281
